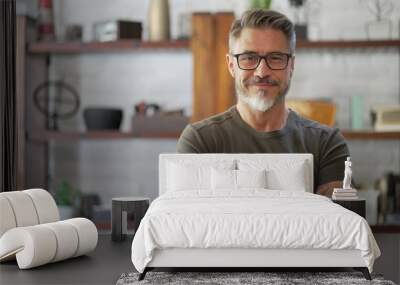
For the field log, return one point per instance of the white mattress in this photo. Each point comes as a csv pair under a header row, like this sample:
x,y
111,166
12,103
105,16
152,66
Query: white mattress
x,y
252,218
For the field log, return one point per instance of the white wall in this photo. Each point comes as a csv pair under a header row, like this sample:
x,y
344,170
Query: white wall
x,y
121,79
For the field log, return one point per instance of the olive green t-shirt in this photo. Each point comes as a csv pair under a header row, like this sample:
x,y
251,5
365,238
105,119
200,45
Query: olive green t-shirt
x,y
228,133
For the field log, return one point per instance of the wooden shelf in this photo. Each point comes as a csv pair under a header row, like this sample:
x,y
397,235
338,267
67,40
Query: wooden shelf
x,y
79,47
302,44
370,135
102,135
60,135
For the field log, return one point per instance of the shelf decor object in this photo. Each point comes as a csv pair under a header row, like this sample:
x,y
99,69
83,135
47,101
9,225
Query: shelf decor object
x,y
386,118
313,19
300,24
322,111
260,4
101,118
66,197
381,27
56,100
163,125
117,30
46,20
159,20
356,107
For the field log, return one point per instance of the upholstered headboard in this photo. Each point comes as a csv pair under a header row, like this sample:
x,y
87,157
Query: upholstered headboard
x,y
275,161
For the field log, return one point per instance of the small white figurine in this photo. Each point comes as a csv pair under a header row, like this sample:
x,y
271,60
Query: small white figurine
x,y
347,174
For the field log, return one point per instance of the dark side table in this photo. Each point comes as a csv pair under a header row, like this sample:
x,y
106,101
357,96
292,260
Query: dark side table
x,y
127,211
357,206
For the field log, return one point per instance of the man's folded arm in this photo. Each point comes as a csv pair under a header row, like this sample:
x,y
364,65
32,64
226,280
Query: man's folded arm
x,y
331,167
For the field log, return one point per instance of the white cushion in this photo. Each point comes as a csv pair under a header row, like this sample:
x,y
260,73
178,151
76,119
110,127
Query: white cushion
x,y
251,179
87,233
45,205
34,244
293,180
7,218
188,177
226,179
40,244
272,161
191,174
67,240
281,174
223,179
23,208
26,208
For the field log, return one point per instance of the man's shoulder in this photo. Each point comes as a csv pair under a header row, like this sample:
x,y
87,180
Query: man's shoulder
x,y
310,126
214,121
199,137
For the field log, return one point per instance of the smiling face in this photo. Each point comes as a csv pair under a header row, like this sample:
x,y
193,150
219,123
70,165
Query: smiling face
x,y
261,88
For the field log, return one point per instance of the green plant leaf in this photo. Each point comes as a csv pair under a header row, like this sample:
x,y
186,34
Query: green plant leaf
x,y
66,194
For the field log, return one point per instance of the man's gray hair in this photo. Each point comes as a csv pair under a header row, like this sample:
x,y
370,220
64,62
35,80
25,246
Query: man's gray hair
x,y
260,19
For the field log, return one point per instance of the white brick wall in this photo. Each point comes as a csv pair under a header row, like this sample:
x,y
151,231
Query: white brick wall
x,y
129,167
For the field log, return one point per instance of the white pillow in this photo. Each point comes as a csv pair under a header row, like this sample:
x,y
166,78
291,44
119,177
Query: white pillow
x,y
293,180
251,179
227,179
281,174
223,179
183,178
193,175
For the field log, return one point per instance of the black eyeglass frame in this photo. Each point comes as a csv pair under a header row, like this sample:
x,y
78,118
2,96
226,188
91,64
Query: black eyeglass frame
x,y
265,57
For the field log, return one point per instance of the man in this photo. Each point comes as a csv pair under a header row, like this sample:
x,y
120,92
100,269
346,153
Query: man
x,y
261,60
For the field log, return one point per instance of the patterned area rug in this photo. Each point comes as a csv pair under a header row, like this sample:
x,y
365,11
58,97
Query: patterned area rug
x,y
229,278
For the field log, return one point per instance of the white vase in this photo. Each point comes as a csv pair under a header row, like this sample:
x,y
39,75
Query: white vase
x,y
184,26
66,212
379,30
159,20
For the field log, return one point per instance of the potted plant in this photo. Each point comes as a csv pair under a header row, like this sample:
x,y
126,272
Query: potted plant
x,y
261,4
66,199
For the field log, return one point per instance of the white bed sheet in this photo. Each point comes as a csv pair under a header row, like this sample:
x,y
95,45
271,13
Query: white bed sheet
x,y
251,218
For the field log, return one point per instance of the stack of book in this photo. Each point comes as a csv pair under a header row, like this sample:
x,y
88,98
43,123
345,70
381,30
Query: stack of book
x,y
344,194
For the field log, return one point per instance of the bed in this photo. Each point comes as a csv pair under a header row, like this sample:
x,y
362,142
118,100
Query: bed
x,y
246,211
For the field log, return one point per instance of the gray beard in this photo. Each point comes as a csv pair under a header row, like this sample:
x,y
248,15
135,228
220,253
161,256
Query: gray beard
x,y
257,103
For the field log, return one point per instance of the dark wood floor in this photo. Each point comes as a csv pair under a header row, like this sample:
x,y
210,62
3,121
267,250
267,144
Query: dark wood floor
x,y
102,266
110,259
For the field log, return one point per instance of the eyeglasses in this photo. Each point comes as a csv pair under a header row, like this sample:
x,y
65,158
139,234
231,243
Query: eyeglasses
x,y
251,60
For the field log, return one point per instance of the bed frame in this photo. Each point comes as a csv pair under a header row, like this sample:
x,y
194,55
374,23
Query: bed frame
x,y
243,259
250,258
